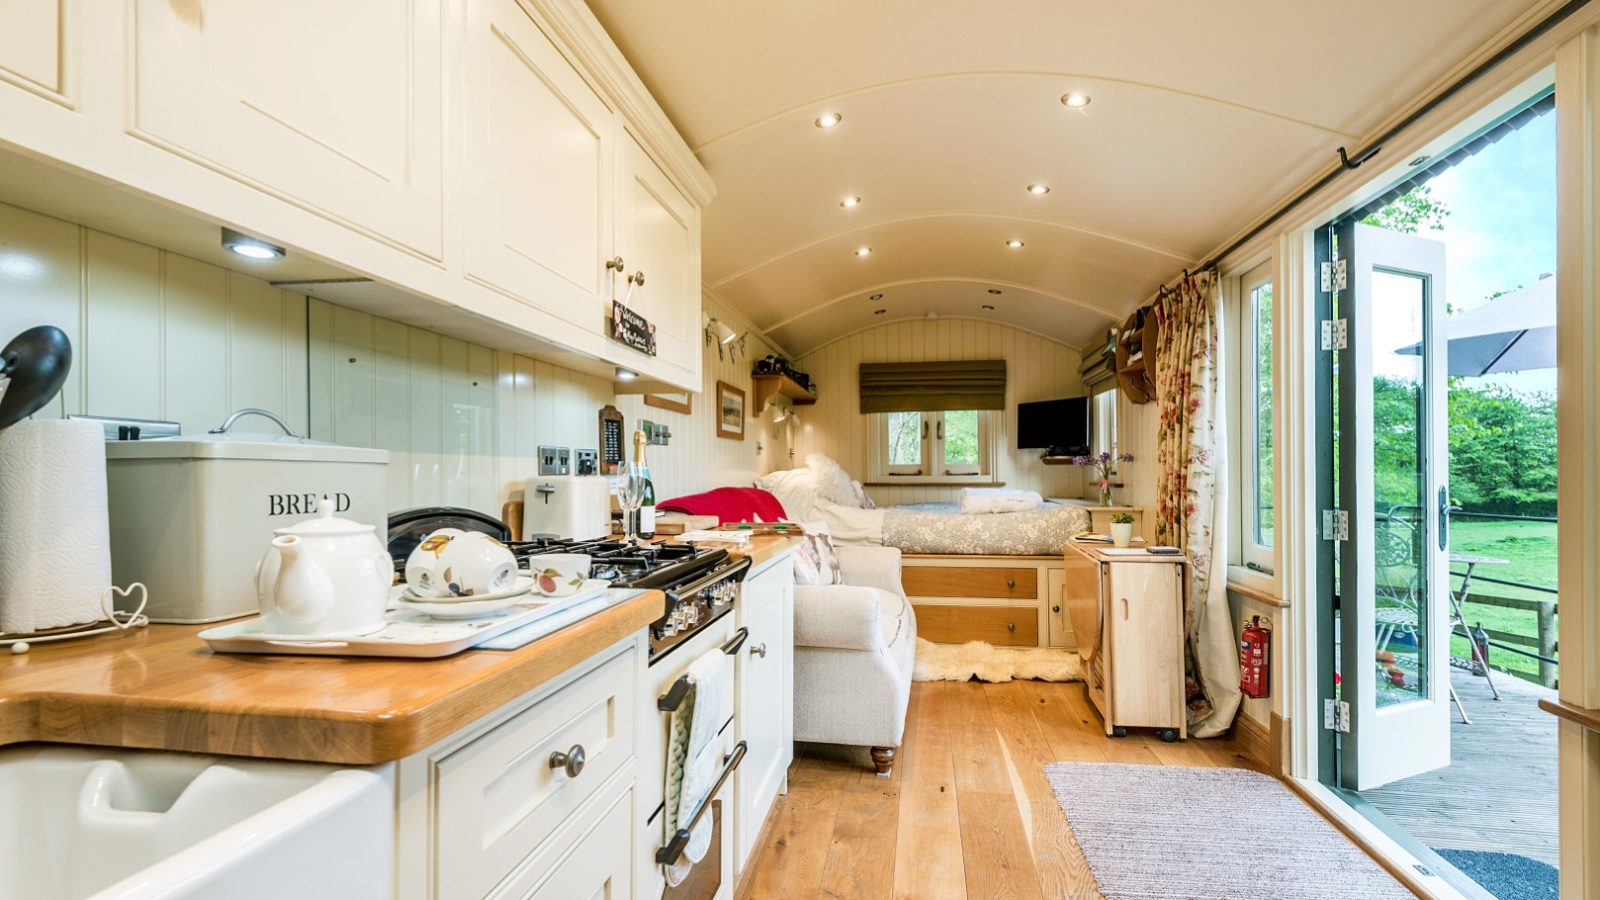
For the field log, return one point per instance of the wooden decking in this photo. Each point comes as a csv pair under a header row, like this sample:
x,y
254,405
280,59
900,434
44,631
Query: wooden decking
x,y
1499,791
967,812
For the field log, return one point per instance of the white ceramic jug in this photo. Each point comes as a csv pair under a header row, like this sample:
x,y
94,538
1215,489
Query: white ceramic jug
x,y
324,577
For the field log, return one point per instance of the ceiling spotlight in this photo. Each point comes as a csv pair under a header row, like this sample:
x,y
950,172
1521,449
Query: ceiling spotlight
x,y
849,202
879,312
828,120
1074,101
863,251
626,374
1038,188
1014,243
876,297
989,307
252,247
996,291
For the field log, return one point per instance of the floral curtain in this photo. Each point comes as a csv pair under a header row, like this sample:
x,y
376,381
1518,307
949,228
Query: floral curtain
x,y
1191,510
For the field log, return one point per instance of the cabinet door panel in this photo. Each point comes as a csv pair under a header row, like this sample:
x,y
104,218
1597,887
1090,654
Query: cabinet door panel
x,y
344,118
658,233
1146,634
31,44
760,674
540,166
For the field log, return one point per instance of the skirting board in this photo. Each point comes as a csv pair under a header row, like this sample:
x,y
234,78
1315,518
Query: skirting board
x,y
1267,744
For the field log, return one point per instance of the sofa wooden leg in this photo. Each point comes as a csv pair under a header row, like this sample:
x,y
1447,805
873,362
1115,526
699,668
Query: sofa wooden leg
x,y
883,760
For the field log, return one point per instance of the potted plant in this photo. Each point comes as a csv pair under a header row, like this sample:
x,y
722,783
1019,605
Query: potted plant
x,y
1105,466
1121,529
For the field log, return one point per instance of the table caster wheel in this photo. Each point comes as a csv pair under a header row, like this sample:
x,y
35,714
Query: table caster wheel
x,y
1170,735
1119,731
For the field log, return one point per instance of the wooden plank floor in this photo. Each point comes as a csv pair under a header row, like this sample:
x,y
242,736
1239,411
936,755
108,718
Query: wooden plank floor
x,y
967,812
1499,791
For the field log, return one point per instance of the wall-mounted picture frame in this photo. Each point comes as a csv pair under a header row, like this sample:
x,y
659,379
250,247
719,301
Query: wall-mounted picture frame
x,y
730,411
679,403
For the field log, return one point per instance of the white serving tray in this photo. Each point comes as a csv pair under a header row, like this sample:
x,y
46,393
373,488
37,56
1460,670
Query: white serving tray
x,y
410,635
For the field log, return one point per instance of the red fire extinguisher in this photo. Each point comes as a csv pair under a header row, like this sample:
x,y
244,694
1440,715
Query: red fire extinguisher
x,y
1255,656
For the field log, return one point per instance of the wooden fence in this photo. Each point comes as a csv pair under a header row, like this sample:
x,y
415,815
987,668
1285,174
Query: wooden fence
x,y
1543,643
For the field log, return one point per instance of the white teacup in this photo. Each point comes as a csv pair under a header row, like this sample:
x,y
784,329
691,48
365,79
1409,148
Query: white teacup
x,y
461,564
559,574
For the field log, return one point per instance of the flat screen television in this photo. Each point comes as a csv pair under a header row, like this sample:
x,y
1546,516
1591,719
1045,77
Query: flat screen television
x,y
1059,427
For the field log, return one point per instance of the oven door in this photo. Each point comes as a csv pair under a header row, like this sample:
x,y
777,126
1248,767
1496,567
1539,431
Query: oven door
x,y
712,877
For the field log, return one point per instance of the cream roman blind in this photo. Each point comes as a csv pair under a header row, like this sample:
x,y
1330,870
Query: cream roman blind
x,y
933,386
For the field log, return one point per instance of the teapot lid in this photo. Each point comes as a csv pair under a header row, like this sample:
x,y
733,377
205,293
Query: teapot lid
x,y
326,524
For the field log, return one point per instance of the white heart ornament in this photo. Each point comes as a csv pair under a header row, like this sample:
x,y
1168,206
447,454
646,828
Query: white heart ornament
x,y
129,619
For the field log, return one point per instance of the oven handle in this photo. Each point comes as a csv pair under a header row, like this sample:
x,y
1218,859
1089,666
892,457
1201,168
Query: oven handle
x,y
734,572
680,839
673,698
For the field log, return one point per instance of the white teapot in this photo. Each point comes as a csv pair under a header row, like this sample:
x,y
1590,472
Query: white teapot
x,y
326,577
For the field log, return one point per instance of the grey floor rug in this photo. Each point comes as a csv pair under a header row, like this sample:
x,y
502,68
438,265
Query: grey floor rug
x,y
1199,834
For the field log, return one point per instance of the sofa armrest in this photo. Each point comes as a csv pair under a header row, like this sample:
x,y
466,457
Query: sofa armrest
x,y
877,567
841,616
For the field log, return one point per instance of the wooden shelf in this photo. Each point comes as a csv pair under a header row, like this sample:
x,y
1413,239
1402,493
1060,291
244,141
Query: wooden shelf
x,y
768,386
1058,460
1581,715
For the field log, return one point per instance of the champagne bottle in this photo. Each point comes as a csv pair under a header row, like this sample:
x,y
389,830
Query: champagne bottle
x,y
647,509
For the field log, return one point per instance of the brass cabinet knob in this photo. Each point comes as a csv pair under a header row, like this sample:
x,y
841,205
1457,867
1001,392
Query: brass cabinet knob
x,y
572,760
1011,582
1011,626
637,278
614,264
1055,609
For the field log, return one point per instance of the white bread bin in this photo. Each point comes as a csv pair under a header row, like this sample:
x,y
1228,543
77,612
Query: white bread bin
x,y
192,515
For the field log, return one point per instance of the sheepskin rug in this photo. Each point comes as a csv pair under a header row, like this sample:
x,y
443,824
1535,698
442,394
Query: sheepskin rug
x,y
986,662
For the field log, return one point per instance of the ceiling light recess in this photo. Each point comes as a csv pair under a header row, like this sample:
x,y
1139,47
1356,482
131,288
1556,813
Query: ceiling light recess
x,y
1074,100
989,307
1014,243
849,202
996,291
863,251
876,297
829,119
251,247
1038,189
879,312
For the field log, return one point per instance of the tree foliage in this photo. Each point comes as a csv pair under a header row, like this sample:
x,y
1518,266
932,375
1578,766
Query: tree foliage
x,y
1412,212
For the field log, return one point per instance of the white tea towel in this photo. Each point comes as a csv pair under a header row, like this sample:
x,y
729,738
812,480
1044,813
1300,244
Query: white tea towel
x,y
998,500
693,758
55,543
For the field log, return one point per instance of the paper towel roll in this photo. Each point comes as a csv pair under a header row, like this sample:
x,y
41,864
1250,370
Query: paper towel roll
x,y
55,545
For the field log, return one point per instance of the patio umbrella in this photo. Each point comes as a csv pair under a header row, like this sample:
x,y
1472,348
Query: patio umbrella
x,y
1511,333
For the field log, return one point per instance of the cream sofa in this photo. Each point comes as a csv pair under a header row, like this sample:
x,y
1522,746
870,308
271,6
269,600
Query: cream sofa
x,y
854,648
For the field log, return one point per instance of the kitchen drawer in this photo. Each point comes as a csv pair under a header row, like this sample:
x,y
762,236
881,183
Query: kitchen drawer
x,y
1016,626
598,864
1009,583
500,796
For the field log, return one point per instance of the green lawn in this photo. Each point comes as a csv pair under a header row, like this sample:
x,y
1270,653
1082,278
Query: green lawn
x,y
1531,549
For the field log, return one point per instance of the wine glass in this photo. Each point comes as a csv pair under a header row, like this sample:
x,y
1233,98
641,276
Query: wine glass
x,y
630,495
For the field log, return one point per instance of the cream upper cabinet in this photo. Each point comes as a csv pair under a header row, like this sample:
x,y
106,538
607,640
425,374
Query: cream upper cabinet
x,y
33,46
540,145
334,107
658,234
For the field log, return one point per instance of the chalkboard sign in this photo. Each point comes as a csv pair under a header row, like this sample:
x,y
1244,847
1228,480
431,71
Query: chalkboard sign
x,y
631,329
610,439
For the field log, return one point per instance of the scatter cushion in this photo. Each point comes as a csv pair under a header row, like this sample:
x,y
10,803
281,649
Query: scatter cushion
x,y
795,489
833,483
815,560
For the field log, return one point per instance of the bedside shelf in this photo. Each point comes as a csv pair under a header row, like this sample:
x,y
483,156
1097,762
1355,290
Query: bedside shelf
x,y
768,386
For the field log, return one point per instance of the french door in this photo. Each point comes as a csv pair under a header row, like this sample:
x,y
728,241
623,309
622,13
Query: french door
x,y
1390,530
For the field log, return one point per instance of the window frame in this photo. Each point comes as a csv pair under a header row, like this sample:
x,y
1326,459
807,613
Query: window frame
x,y
1244,315
933,470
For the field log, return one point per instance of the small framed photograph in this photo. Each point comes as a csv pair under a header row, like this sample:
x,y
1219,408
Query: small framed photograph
x,y
730,412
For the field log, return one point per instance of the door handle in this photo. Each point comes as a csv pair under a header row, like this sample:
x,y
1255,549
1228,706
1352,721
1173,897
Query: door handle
x,y
1445,509
924,430
939,431
1124,609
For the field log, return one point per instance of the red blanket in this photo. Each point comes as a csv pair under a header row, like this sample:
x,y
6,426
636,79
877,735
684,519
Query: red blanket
x,y
728,504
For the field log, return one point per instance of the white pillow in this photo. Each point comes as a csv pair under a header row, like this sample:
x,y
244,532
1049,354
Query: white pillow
x,y
795,489
833,483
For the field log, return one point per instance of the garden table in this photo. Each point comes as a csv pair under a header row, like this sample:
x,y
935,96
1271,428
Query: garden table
x,y
1458,600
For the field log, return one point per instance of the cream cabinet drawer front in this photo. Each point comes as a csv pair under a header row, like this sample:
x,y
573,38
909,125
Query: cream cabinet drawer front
x,y
599,866
540,170
502,795
354,131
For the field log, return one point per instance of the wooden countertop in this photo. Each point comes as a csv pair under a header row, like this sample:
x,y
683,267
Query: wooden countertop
x,y
162,688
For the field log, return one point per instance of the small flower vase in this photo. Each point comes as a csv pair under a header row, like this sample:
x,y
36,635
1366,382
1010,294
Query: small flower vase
x,y
1121,534
1105,494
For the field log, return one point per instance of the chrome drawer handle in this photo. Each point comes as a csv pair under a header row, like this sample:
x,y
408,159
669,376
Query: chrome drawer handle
x,y
759,650
572,760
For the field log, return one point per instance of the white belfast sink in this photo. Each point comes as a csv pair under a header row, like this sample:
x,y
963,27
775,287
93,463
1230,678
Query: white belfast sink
x,y
119,825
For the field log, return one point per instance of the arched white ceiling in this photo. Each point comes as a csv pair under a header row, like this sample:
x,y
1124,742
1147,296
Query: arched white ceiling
x,y
1201,116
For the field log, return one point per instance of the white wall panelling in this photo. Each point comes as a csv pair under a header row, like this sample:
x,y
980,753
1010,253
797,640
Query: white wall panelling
x,y
154,334
1037,368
